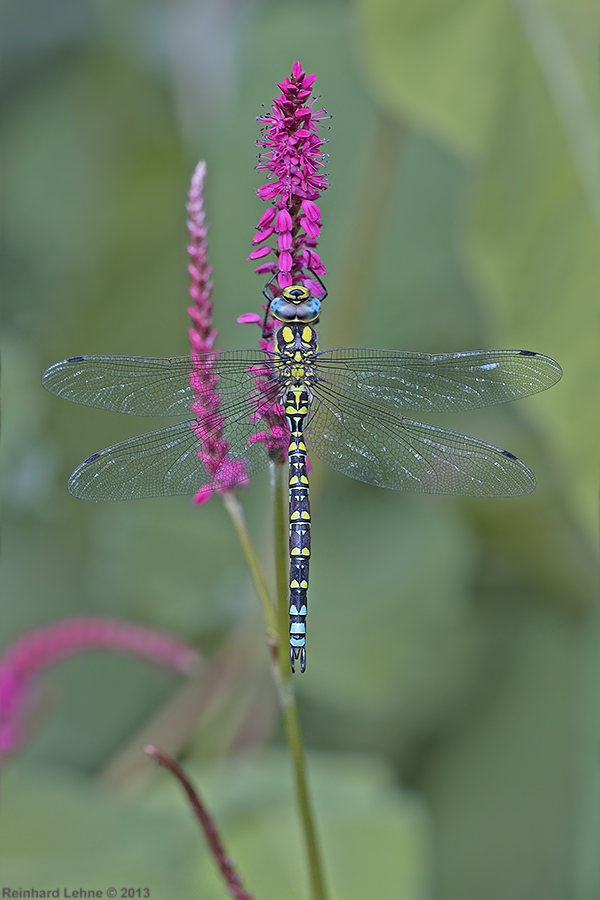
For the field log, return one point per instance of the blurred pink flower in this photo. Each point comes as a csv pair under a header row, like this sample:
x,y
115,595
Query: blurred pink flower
x,y
37,650
226,473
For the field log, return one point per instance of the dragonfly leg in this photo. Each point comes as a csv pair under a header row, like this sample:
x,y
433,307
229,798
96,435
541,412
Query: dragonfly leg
x,y
269,297
312,271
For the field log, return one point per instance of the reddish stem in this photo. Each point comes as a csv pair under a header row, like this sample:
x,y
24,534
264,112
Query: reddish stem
x,y
232,879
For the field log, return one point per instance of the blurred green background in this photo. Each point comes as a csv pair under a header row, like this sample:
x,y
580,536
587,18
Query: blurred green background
x,y
452,698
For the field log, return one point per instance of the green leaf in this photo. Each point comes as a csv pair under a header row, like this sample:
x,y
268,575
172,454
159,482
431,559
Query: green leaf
x,y
60,830
375,837
437,63
508,85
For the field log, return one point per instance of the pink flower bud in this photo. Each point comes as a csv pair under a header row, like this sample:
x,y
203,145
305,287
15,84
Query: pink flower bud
x,y
285,261
283,221
262,235
311,210
311,228
259,253
267,217
249,319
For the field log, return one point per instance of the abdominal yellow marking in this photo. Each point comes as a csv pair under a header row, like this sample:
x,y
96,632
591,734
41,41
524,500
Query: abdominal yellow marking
x,y
296,342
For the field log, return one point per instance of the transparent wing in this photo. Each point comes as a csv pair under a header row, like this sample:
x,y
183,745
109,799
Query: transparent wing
x,y
158,464
370,444
165,462
149,387
423,382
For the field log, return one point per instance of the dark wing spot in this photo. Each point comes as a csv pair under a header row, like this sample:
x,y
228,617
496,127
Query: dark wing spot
x,y
96,455
527,353
504,453
75,359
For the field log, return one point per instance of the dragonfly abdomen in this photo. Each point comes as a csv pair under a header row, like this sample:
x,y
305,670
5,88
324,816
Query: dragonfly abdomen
x,y
296,409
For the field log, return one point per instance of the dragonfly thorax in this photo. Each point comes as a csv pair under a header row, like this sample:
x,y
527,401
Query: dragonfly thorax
x,y
295,305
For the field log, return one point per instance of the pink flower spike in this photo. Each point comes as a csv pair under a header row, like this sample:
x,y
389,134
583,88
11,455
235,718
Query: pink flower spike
x,y
291,156
292,159
208,424
199,270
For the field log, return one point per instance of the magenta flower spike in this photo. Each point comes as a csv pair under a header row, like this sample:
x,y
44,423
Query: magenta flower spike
x,y
37,650
208,427
293,160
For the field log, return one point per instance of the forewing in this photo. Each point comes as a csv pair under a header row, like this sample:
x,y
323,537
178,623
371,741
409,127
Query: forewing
x,y
143,386
372,445
422,382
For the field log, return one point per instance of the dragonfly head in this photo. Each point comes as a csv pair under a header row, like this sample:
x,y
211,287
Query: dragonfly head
x,y
296,293
296,304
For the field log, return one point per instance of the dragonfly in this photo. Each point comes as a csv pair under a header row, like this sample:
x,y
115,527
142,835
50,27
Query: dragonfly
x,y
350,407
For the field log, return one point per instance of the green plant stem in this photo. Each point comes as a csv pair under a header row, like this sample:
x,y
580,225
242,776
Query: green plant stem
x,y
287,696
307,818
234,508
